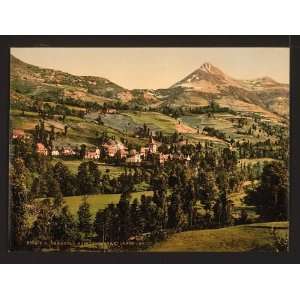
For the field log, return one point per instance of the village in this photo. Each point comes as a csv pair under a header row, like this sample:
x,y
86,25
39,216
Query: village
x,y
110,149
95,167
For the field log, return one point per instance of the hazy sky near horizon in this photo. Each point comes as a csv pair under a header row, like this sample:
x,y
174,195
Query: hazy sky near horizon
x,y
159,67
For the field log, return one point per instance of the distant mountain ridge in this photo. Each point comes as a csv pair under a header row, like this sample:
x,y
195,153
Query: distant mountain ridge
x,y
209,82
92,85
203,85
208,72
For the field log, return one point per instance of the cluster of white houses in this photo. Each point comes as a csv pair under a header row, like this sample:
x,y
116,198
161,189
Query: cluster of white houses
x,y
112,148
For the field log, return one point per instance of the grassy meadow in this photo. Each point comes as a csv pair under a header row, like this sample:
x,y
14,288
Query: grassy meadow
x,y
72,165
99,201
229,239
156,121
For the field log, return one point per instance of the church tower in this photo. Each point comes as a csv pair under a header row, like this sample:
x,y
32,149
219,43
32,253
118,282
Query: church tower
x,y
152,145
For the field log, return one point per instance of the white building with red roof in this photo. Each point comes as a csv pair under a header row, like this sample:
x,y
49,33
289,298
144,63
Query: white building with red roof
x,y
18,134
93,154
112,147
134,157
41,149
67,151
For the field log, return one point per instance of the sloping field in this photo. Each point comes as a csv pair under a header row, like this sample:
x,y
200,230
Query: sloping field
x,y
26,122
224,123
195,138
182,128
85,131
243,106
80,131
120,122
230,239
156,121
161,122
219,121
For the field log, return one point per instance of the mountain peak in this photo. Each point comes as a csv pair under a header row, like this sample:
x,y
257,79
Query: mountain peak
x,y
209,68
207,74
206,67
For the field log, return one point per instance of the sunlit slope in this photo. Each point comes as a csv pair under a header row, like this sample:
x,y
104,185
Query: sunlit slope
x,y
230,239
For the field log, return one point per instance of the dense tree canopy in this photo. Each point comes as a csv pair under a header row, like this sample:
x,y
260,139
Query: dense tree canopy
x,y
270,198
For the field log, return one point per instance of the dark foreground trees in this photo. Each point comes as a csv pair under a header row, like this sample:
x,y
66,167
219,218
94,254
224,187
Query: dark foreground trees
x,y
63,227
270,198
84,218
132,222
19,177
